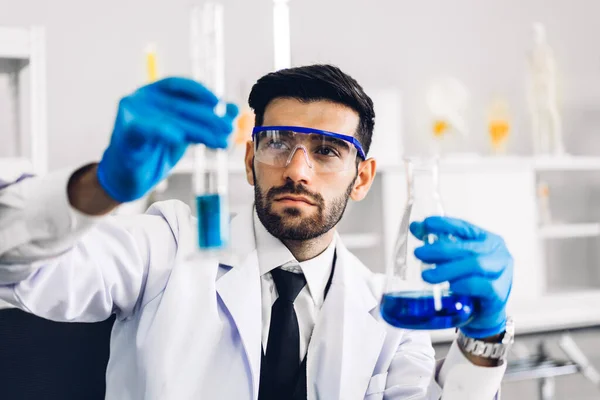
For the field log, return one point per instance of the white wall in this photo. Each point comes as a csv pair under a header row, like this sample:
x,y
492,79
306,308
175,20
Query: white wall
x,y
482,42
95,55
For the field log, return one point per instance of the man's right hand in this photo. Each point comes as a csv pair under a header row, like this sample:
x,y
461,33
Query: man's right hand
x,y
153,128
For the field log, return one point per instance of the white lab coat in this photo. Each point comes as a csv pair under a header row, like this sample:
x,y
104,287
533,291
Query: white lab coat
x,y
190,328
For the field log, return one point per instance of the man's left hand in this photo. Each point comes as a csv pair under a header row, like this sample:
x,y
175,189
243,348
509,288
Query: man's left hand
x,y
475,263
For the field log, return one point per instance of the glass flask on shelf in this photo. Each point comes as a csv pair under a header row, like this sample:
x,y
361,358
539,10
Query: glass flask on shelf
x,y
409,302
499,125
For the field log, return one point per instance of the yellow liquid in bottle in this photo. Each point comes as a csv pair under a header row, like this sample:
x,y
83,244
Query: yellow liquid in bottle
x,y
498,125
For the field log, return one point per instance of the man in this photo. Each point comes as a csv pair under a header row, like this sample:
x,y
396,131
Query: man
x,y
287,312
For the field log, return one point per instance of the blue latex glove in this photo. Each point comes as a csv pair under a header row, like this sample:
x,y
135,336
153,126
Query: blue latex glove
x,y
153,127
475,262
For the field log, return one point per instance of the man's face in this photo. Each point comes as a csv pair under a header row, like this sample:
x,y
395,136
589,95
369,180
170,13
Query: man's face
x,y
295,202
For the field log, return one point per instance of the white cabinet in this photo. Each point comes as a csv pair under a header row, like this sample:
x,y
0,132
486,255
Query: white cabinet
x,y
555,286
22,54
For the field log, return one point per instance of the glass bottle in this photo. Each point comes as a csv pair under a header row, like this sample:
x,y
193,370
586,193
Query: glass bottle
x,y
409,302
499,125
546,120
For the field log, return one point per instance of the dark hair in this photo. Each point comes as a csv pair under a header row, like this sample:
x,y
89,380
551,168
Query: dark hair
x,y
313,83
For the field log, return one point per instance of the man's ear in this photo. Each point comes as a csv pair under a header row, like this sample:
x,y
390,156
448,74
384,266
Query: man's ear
x,y
249,161
364,179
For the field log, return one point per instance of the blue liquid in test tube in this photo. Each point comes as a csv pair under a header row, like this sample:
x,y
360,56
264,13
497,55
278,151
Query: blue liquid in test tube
x,y
416,310
211,227
210,187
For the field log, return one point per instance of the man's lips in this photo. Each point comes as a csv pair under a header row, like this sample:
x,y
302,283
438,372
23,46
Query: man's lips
x,y
295,199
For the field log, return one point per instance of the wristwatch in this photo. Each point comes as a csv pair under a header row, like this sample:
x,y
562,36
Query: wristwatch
x,y
489,350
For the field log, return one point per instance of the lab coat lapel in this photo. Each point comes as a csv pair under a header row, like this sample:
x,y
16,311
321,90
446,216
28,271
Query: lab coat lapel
x,y
239,289
347,338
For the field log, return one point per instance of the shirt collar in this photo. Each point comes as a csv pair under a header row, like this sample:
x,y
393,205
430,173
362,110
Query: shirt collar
x,y
272,253
317,272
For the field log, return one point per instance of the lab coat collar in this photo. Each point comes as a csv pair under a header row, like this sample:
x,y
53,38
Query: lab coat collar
x,y
239,289
348,338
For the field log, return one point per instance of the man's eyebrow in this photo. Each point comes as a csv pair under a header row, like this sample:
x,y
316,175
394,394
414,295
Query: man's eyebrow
x,y
335,141
285,132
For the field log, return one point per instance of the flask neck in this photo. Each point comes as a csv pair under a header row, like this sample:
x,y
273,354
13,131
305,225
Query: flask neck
x,y
423,185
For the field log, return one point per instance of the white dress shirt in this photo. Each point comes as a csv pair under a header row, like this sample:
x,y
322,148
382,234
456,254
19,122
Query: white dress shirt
x,y
272,254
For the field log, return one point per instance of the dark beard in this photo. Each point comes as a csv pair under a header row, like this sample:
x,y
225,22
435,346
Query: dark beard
x,y
308,228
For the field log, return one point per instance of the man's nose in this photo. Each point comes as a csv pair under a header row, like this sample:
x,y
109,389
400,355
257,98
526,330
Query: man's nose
x,y
299,167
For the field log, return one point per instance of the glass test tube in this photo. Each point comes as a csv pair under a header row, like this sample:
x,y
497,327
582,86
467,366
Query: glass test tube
x,y
210,165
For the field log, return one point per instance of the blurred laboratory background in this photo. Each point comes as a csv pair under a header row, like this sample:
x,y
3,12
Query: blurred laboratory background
x,y
506,92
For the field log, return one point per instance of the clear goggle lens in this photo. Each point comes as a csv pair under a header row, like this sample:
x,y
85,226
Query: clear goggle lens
x,y
322,152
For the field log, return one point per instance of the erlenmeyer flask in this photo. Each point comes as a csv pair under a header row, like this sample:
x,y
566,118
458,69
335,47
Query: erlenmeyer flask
x,y
409,302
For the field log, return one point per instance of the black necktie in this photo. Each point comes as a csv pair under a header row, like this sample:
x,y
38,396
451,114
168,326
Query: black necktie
x,y
281,363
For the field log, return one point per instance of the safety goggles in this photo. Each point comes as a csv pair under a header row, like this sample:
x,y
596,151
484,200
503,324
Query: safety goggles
x,y
323,151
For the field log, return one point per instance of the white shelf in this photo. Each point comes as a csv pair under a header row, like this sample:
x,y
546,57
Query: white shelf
x,y
559,231
566,163
12,168
474,162
469,162
538,163
548,313
15,43
466,163
186,166
360,240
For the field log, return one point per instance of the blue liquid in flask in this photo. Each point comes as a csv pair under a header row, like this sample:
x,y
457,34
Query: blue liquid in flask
x,y
416,310
211,228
